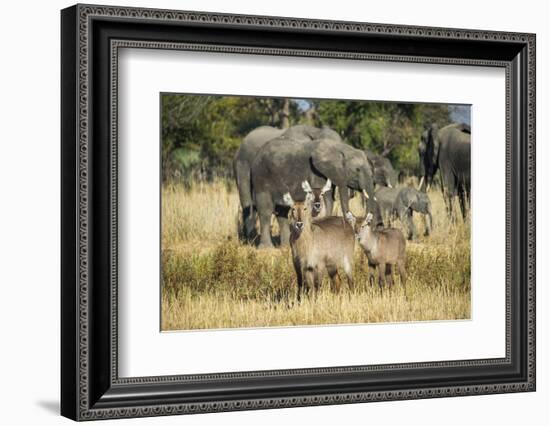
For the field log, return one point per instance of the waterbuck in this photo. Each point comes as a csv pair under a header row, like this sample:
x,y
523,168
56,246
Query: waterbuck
x,y
384,249
317,245
319,203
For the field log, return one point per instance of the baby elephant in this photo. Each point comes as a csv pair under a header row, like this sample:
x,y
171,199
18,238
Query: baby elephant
x,y
401,203
384,249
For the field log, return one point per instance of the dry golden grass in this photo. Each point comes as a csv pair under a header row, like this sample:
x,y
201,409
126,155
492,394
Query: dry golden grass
x,y
210,280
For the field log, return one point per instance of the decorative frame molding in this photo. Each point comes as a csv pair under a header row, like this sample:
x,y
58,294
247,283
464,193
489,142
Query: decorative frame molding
x,y
91,388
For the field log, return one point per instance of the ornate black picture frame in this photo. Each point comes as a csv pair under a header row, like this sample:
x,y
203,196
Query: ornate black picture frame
x,y
91,36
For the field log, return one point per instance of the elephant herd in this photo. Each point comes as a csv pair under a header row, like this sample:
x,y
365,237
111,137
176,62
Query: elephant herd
x,y
271,163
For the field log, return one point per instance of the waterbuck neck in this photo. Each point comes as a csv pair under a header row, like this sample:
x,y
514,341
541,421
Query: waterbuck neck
x,y
303,240
369,238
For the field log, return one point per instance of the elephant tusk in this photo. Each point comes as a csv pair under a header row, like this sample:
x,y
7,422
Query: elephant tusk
x,y
421,182
365,193
428,187
390,185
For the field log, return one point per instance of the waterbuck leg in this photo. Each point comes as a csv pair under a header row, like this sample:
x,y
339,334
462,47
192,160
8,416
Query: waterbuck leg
x,y
403,276
318,278
300,279
381,273
389,275
309,280
335,283
402,273
348,270
371,277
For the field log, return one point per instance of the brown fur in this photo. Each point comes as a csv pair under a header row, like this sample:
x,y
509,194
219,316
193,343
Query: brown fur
x,y
384,249
323,243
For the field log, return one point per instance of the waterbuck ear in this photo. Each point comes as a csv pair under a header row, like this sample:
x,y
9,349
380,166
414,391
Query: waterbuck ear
x,y
287,199
306,187
327,187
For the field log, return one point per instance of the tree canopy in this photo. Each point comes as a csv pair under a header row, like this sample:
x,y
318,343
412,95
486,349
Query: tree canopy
x,y
201,133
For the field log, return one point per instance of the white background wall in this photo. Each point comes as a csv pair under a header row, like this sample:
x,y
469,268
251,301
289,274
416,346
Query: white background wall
x,y
29,211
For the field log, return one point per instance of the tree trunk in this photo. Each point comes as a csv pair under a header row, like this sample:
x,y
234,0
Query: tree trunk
x,y
284,114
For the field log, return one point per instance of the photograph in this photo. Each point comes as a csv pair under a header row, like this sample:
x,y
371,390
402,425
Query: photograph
x,y
266,209
280,212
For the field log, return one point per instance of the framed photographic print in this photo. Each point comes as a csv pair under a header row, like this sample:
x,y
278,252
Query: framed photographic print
x,y
263,212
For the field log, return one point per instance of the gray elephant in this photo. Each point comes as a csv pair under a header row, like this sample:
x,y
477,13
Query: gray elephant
x,y
401,203
248,150
447,150
384,173
242,162
283,163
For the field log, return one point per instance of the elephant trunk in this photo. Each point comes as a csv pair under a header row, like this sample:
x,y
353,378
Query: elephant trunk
x,y
344,200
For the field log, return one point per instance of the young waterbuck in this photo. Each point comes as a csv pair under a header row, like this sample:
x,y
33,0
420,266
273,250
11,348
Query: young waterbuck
x,y
317,245
384,249
319,201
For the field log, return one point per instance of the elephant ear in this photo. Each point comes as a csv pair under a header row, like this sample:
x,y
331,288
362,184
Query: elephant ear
x,y
329,160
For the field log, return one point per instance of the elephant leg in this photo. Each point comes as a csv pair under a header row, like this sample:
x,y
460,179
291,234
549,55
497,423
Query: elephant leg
x,y
449,206
405,216
249,223
265,210
282,218
449,183
463,202
242,175
448,199
428,223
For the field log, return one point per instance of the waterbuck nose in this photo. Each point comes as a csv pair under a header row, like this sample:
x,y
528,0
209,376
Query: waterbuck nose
x,y
299,225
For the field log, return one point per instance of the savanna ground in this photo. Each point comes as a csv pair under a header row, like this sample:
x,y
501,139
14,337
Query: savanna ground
x,y
211,280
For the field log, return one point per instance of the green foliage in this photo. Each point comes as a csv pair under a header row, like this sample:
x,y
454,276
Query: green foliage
x,y
390,129
200,133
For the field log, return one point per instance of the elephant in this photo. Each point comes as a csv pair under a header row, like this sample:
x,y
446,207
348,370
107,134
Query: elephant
x,y
283,163
447,150
401,203
385,197
246,153
384,173
242,161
